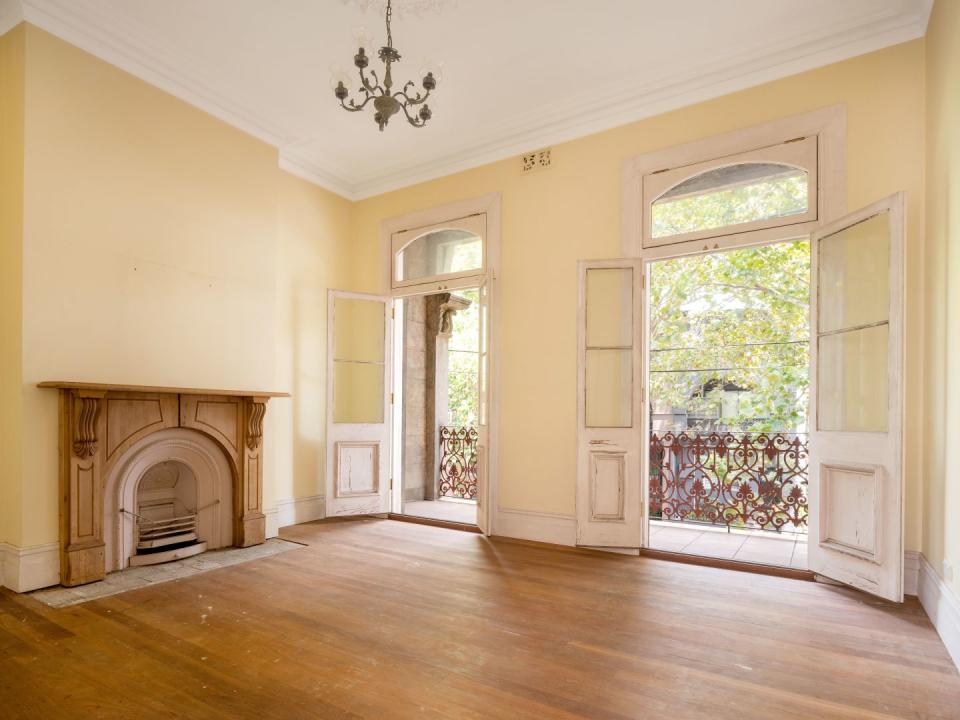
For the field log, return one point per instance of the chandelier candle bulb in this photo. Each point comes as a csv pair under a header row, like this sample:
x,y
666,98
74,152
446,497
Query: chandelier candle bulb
x,y
386,101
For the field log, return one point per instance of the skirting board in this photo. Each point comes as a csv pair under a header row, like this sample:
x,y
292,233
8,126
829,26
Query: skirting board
x,y
30,568
542,527
293,512
942,607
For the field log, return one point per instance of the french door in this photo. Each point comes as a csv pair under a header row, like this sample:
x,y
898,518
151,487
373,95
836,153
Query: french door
x,y
856,389
610,416
358,403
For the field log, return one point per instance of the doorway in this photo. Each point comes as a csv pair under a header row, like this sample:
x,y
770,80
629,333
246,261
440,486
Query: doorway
x,y
436,405
728,352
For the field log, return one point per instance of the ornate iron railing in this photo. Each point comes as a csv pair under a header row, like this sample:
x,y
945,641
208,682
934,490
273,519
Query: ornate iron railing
x,y
756,480
458,462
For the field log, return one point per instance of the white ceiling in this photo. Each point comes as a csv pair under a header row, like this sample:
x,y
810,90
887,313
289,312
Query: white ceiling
x,y
518,74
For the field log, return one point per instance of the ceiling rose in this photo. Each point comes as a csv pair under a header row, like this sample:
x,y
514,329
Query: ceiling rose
x,y
386,101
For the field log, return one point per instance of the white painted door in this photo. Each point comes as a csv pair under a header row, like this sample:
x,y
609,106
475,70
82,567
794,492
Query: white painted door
x,y
358,403
609,408
483,410
856,441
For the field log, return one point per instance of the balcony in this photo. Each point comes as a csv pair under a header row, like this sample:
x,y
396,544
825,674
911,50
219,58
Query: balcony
x,y
736,496
456,487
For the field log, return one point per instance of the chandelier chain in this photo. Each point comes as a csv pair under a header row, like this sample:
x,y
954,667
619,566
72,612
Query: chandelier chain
x,y
389,18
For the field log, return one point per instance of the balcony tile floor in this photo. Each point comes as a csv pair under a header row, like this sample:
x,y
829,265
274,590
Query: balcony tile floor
x,y
740,545
460,512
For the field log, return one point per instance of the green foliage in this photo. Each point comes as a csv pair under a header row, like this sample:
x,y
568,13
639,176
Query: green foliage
x,y
738,317
771,198
464,363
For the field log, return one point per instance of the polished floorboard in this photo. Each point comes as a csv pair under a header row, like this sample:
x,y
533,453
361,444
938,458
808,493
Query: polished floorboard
x,y
383,619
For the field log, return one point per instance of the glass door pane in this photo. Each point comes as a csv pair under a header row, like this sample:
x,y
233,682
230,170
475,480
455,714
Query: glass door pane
x,y
609,347
358,360
853,327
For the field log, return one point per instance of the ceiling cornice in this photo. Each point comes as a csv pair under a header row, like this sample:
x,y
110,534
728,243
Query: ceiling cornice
x,y
11,15
131,51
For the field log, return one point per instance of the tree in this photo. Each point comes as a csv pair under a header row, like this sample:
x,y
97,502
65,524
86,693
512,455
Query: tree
x,y
736,318
463,362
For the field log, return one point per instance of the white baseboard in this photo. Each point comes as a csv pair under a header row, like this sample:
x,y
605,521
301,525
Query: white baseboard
x,y
538,526
300,510
30,568
942,606
911,572
273,527
294,511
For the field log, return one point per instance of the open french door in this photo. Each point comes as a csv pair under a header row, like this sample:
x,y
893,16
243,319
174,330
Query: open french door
x,y
358,403
484,370
856,385
609,406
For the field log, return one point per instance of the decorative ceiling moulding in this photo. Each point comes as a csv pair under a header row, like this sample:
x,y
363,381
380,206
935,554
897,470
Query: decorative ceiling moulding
x,y
11,15
128,49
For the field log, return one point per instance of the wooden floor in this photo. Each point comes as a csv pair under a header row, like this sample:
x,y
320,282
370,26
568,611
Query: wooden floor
x,y
383,619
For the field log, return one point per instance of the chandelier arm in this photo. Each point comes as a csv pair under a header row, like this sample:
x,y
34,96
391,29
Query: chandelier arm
x,y
418,100
353,107
370,89
412,119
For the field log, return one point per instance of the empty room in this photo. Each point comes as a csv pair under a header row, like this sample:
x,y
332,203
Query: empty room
x,y
477,359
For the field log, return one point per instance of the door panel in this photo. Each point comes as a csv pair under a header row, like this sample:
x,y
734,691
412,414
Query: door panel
x,y
358,415
856,443
609,388
483,410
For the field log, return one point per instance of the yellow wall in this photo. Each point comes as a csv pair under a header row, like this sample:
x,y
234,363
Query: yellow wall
x,y
162,246
941,530
11,232
553,218
313,227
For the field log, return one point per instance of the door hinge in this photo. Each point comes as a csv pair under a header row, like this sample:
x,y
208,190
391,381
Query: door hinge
x,y
393,313
391,398
391,483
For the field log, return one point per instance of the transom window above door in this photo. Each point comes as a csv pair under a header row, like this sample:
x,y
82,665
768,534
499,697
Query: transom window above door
x,y
760,189
437,253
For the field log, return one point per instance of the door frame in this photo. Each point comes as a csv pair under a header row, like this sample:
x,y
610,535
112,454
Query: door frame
x,y
828,124
491,206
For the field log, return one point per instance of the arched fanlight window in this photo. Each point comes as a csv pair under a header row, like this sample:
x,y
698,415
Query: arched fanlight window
x,y
760,189
446,251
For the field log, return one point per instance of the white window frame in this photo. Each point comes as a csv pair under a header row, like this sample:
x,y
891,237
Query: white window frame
x,y
829,125
800,153
403,238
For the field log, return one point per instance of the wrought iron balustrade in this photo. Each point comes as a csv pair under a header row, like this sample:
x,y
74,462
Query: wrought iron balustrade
x,y
752,480
458,462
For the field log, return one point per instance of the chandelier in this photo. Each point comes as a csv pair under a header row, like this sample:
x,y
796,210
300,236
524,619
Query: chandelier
x,y
386,102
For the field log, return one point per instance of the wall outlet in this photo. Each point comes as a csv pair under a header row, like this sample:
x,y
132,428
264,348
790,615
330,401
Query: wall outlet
x,y
539,160
948,571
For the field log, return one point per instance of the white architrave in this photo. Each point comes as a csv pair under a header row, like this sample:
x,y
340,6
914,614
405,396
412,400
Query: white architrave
x,y
488,205
828,125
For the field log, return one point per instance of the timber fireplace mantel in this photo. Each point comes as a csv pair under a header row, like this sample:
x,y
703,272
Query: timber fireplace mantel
x,y
101,425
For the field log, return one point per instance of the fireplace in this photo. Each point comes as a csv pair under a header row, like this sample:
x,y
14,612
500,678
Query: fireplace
x,y
152,474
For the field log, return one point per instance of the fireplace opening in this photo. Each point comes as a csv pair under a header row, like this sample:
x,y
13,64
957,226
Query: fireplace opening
x,y
167,515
